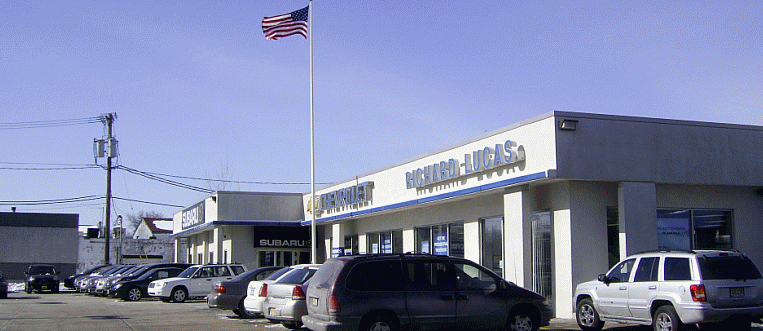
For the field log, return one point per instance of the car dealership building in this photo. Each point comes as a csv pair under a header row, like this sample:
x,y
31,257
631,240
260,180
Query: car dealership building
x,y
547,203
558,199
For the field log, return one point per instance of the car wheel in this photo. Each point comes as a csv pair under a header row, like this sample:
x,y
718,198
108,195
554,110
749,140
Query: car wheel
x,y
522,320
134,294
587,316
179,295
666,319
377,322
292,325
242,311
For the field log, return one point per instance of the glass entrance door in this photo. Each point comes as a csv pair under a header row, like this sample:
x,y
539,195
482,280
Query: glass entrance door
x,y
541,253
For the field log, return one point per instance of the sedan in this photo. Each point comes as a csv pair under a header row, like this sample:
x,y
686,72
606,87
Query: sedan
x,y
253,300
230,294
135,289
286,300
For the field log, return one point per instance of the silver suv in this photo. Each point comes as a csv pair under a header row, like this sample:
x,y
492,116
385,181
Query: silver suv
x,y
420,292
669,289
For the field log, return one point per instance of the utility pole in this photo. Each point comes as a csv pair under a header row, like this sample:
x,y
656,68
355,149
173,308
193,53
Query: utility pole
x,y
109,148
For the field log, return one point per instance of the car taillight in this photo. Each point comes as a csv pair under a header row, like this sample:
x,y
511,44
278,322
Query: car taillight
x,y
264,290
219,288
334,307
297,293
698,292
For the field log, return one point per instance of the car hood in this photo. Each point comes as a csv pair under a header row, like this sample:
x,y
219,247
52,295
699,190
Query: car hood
x,y
591,284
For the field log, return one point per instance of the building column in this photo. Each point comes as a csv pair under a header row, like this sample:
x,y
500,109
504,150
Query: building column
x,y
516,233
637,213
218,233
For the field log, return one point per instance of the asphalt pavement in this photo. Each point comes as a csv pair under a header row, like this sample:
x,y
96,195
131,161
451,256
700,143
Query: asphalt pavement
x,y
72,311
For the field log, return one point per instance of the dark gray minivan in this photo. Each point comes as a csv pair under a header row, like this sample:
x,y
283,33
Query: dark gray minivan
x,y
418,291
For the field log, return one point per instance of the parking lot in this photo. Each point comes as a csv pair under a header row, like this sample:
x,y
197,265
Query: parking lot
x,y
74,311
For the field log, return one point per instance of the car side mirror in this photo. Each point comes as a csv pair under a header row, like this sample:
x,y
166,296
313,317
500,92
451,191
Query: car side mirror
x,y
603,278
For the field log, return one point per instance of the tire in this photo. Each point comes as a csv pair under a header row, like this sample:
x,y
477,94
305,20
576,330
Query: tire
x,y
666,319
4,295
523,320
378,322
587,317
292,325
242,310
134,294
179,295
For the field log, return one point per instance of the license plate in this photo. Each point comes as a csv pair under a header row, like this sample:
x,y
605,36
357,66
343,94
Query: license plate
x,y
314,301
272,312
737,292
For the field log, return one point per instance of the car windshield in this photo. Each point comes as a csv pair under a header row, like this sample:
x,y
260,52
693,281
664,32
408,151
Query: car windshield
x,y
187,273
41,270
728,267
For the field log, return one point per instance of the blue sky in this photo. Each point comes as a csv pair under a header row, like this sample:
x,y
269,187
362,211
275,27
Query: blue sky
x,y
199,92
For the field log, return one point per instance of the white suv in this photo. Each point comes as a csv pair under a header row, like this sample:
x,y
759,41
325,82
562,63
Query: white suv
x,y
196,281
668,289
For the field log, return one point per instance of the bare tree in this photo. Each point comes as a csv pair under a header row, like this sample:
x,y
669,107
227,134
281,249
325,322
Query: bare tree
x,y
223,179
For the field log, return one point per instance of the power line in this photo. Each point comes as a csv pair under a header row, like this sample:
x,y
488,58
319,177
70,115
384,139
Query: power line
x,y
49,123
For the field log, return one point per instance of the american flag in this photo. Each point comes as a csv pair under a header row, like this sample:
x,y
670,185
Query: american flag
x,y
285,25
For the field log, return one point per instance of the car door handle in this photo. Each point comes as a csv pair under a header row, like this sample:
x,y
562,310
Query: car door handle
x,y
623,288
653,287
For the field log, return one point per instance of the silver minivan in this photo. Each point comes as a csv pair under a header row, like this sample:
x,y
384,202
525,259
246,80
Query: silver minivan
x,y
418,291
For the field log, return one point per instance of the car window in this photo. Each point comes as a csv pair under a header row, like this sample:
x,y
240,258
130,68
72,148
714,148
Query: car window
x,y
621,272
326,274
297,276
470,277
41,270
237,269
264,274
677,268
221,271
647,269
173,272
187,273
161,274
278,273
204,272
376,276
728,267
428,276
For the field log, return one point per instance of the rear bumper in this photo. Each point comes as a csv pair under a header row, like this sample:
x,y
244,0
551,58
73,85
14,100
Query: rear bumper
x,y
706,313
228,302
291,311
316,324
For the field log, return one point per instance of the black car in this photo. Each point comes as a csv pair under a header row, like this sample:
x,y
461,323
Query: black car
x,y
41,277
3,287
69,281
230,294
134,289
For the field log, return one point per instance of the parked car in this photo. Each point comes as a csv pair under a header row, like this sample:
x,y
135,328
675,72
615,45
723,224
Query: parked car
x,y
81,282
418,291
230,294
285,297
194,282
668,289
103,284
90,285
253,300
135,289
3,287
139,272
41,277
69,281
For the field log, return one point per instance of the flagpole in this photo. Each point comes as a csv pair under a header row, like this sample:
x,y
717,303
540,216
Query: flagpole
x,y
313,255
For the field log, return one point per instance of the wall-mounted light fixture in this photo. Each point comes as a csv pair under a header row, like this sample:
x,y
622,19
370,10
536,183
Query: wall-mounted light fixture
x,y
568,125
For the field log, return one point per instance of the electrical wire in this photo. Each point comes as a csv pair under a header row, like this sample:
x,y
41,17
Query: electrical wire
x,y
49,123
164,180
